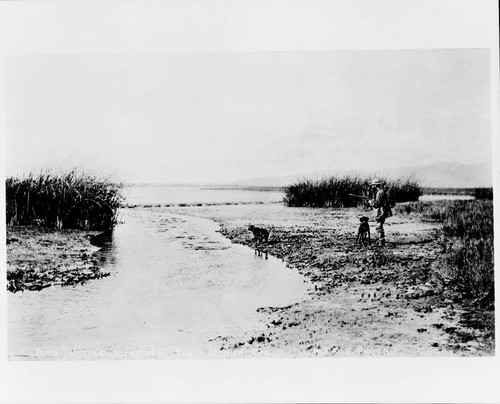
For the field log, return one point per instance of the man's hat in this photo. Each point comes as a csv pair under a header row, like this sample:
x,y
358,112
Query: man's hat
x,y
375,182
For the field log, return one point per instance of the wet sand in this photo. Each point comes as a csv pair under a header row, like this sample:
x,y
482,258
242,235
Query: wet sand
x,y
365,301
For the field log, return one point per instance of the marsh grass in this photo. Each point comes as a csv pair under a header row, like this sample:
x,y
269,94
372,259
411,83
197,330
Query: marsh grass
x,y
467,262
72,200
434,211
335,192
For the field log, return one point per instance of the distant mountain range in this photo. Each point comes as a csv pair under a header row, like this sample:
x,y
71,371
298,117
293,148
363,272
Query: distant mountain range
x,y
438,175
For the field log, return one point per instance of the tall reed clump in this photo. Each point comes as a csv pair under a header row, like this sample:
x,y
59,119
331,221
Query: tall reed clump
x,y
73,200
483,193
335,192
468,260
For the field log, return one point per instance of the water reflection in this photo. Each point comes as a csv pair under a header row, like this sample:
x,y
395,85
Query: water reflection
x,y
106,256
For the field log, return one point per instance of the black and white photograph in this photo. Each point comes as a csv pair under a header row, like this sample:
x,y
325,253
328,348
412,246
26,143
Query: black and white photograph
x,y
171,201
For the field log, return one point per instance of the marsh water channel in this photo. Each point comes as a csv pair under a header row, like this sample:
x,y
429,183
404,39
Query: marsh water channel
x,y
175,285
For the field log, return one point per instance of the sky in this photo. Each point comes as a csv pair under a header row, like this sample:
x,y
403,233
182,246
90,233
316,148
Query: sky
x,y
222,117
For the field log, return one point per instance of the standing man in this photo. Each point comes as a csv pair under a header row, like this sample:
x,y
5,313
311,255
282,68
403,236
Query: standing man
x,y
379,203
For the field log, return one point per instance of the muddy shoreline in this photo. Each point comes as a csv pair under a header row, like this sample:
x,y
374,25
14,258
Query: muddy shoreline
x,y
365,300
38,258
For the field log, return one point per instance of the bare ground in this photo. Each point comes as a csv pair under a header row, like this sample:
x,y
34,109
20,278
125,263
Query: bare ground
x,y
38,258
365,300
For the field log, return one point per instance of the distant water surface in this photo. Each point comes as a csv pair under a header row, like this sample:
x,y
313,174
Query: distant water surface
x,y
166,194
430,198
169,194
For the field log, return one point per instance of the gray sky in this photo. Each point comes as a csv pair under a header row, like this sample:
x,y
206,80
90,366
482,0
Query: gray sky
x,y
217,117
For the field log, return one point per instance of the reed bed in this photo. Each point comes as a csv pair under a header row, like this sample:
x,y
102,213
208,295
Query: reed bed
x,y
72,200
448,191
483,193
468,246
335,192
435,210
467,262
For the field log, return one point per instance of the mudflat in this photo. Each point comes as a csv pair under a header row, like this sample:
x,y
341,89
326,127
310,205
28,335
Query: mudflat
x,y
38,258
364,300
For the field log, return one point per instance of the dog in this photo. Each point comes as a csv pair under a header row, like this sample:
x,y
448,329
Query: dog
x,y
363,231
260,235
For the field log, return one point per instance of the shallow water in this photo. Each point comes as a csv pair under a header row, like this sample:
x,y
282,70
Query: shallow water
x,y
176,283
